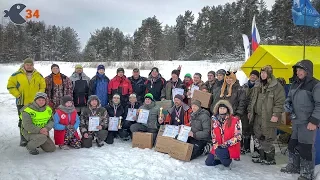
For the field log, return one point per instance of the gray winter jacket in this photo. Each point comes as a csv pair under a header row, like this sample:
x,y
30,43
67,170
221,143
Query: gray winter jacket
x,y
304,96
201,125
154,112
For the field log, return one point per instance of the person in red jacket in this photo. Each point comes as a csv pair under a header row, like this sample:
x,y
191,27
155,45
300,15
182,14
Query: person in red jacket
x,y
226,135
121,85
66,123
179,114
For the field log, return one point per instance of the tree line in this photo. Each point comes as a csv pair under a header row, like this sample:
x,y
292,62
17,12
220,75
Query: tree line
x,y
215,34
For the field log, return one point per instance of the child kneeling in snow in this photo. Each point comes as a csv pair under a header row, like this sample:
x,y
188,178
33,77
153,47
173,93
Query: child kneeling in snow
x,y
66,123
226,135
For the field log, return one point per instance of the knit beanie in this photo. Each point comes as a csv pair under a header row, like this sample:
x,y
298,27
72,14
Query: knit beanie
x,y
212,72
149,95
176,72
229,75
100,67
54,65
155,69
196,102
28,61
65,99
255,72
178,96
78,66
221,71
40,95
188,75
120,70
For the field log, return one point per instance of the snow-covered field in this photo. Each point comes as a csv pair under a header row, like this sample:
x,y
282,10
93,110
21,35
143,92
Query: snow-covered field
x,y
117,161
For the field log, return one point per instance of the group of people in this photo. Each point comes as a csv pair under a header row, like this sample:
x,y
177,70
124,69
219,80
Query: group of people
x,y
223,131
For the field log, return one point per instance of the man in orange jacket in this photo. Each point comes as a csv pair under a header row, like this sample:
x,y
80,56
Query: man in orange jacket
x,y
179,114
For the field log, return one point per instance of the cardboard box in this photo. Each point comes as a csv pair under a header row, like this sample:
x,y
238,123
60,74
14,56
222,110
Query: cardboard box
x,y
285,119
180,150
203,97
142,140
163,144
166,105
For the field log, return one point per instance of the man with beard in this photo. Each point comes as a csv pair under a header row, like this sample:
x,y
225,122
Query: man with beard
x,y
211,84
265,110
179,114
23,85
303,102
138,86
247,132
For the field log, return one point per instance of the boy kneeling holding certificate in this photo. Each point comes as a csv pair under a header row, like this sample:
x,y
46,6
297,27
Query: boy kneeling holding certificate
x,y
149,114
93,123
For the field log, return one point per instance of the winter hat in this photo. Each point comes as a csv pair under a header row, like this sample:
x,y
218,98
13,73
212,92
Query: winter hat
x,y
149,95
28,61
268,69
188,75
197,103
120,70
255,72
222,103
40,95
116,95
54,65
221,71
178,96
78,66
229,75
176,72
212,72
100,67
65,99
155,69
93,97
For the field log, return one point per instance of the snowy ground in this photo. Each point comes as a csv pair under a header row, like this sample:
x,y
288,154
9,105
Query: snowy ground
x,y
117,161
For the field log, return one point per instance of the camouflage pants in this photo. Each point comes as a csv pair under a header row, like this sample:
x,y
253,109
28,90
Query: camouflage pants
x,y
40,140
264,136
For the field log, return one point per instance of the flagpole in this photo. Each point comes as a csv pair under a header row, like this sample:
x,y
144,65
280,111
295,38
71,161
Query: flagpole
x,y
304,30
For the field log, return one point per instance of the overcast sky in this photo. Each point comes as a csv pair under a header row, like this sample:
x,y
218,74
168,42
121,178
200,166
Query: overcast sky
x,y
87,15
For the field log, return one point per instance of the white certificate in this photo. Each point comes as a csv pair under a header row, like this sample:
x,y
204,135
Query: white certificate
x,y
194,87
131,113
143,116
113,124
93,123
184,133
176,91
171,131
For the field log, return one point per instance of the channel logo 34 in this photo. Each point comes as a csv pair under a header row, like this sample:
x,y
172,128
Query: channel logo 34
x,y
16,16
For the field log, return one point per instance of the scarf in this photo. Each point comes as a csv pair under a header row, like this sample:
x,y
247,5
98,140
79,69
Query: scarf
x,y
57,80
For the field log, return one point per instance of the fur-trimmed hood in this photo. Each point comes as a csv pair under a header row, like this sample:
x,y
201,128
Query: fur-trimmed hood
x,y
225,102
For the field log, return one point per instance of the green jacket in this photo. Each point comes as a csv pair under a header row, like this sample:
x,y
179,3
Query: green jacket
x,y
28,127
272,102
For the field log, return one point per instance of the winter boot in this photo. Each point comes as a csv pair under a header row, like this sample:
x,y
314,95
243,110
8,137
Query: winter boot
x,y
255,153
262,157
207,148
99,143
64,147
247,144
242,151
23,141
270,158
306,170
33,151
293,166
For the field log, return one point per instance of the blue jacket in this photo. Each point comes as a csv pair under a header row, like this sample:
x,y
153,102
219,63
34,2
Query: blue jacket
x,y
99,86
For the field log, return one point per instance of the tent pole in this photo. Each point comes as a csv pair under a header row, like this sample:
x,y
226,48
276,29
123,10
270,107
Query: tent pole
x,y
304,30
